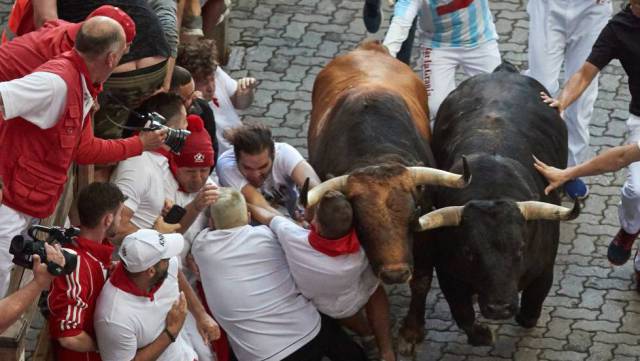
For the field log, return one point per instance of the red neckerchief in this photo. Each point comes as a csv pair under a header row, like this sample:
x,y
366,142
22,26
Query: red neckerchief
x,y
334,247
101,251
215,102
82,67
120,280
173,166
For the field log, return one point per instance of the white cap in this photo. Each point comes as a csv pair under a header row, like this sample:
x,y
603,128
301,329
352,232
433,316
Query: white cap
x,y
144,248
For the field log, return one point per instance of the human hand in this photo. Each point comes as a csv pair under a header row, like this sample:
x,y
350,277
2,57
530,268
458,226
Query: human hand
x,y
554,103
208,328
166,207
556,177
152,140
246,85
176,315
207,196
163,227
41,275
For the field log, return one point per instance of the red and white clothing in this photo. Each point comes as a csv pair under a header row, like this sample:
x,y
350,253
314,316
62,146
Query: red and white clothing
x,y
127,318
201,222
72,298
249,289
338,286
34,161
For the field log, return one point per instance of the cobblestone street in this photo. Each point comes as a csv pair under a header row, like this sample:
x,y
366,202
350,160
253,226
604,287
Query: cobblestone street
x,y
592,311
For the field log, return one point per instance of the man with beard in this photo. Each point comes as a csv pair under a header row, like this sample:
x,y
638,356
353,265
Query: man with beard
x,y
142,308
72,298
265,172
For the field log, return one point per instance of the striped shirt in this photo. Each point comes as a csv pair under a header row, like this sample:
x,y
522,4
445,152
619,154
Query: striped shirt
x,y
443,23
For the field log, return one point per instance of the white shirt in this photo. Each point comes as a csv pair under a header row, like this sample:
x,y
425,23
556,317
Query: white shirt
x,y
226,115
147,181
338,286
278,188
40,98
125,322
249,288
201,222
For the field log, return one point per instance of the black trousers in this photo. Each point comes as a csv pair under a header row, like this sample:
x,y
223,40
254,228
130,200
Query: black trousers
x,y
332,341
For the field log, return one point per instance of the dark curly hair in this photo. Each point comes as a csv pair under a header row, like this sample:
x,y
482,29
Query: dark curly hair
x,y
198,57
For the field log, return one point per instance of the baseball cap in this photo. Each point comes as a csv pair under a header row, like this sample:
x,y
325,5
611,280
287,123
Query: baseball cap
x,y
118,15
144,248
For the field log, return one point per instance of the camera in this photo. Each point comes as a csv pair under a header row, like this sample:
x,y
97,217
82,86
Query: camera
x,y
175,137
23,249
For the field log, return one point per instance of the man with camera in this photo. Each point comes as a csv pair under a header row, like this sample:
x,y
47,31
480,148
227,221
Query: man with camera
x,y
45,126
72,298
14,305
148,182
142,308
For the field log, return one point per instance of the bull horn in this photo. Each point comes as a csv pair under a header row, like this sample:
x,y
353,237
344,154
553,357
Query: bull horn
x,y
443,217
315,194
533,210
432,176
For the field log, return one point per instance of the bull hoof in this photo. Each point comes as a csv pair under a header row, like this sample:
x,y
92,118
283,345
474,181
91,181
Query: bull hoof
x,y
406,348
481,335
408,340
525,321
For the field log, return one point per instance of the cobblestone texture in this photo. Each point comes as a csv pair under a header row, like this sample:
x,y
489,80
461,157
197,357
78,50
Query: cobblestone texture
x,y
592,312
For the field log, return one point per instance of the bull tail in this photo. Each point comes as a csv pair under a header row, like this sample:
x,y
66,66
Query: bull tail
x,y
506,66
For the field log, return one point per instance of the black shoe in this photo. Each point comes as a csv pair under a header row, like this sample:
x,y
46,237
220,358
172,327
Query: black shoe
x,y
619,250
372,15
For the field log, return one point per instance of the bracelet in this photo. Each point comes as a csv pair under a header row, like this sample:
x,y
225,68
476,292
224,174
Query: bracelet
x,y
171,337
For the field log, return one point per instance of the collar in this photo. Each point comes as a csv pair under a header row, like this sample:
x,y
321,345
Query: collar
x,y
334,247
101,251
120,280
82,67
215,102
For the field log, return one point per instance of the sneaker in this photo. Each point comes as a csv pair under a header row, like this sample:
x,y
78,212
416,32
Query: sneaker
x,y
619,250
372,15
576,189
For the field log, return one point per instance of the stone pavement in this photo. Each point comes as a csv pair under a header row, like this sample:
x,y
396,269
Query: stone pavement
x,y
592,312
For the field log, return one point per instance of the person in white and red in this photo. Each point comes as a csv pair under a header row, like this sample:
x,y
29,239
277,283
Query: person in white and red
x,y
142,308
44,119
331,269
72,298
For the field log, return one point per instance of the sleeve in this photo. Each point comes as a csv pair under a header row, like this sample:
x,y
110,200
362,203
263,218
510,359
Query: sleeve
x,y
127,177
403,14
229,174
68,303
286,232
94,150
115,342
605,48
166,11
39,98
287,158
228,83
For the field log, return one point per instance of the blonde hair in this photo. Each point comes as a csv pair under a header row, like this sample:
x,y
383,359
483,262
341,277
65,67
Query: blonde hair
x,y
230,210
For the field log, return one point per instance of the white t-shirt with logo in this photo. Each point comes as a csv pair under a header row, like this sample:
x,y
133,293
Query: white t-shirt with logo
x,y
147,181
125,322
279,188
251,293
226,114
338,286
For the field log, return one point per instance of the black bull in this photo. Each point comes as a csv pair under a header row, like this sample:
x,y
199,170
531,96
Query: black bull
x,y
497,237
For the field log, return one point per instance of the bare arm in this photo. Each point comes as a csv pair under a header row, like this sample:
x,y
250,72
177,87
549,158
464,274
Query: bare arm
x,y
43,11
254,197
206,197
207,327
81,342
574,87
262,215
302,171
610,160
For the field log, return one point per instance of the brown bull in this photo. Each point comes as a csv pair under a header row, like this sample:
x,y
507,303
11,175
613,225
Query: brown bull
x,y
369,128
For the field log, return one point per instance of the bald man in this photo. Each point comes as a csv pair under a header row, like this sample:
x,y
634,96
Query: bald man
x,y
45,125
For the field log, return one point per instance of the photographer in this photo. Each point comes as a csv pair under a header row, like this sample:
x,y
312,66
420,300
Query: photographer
x,y
14,305
72,298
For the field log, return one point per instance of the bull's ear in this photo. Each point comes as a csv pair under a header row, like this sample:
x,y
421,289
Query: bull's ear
x,y
304,192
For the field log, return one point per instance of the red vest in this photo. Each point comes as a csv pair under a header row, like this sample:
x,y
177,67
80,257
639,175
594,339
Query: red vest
x,y
25,53
33,161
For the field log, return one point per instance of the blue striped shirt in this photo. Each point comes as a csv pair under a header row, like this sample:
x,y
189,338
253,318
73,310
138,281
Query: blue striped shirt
x,y
443,23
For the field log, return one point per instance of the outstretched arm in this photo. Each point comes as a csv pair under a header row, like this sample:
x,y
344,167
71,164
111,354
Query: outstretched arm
x,y
574,88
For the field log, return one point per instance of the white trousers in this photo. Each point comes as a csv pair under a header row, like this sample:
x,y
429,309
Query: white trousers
x,y
439,69
629,208
12,223
565,30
